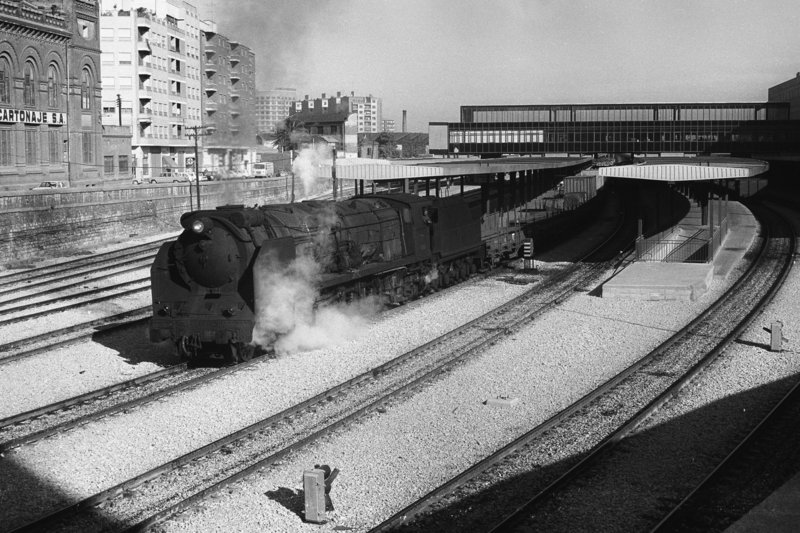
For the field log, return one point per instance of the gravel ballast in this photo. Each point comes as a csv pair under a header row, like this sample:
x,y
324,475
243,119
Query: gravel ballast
x,y
390,458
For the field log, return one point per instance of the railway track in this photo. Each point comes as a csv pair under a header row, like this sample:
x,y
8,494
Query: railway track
x,y
761,463
37,344
71,285
494,494
37,424
81,266
157,494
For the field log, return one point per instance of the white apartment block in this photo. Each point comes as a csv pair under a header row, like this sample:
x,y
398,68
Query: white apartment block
x,y
150,55
273,106
369,113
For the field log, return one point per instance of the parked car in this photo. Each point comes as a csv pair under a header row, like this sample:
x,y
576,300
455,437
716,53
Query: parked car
x,y
49,185
210,175
182,175
137,180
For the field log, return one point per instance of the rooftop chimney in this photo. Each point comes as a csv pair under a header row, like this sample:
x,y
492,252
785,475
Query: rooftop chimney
x,y
323,96
404,120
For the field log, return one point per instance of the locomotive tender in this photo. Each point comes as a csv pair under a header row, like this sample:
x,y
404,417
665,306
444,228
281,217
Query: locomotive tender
x,y
205,285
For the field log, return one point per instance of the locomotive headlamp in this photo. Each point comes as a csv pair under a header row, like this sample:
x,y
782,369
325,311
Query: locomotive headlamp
x,y
198,226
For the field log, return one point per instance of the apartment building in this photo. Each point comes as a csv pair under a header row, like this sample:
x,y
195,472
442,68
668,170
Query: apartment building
x,y
152,80
367,110
229,99
272,107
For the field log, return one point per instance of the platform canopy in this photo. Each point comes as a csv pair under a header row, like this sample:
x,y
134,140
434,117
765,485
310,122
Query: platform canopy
x,y
687,169
383,170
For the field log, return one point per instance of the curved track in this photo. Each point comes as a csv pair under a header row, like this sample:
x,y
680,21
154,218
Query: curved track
x,y
598,421
265,442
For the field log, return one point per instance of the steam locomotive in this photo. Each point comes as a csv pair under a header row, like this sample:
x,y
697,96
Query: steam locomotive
x,y
208,286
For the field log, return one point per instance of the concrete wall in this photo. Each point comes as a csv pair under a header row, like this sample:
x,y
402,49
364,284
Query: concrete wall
x,y
45,224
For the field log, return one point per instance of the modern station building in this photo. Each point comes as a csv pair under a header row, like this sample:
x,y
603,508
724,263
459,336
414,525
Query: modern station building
x,y
745,129
50,126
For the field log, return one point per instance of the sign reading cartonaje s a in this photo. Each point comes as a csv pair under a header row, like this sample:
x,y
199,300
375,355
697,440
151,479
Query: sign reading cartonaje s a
x,y
28,116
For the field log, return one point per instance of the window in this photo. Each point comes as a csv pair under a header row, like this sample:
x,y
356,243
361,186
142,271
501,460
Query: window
x,y
86,88
53,86
86,28
108,164
5,147
86,137
31,152
54,138
5,77
28,85
123,164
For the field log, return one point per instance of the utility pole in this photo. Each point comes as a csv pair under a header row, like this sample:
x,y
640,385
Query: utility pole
x,y
333,174
195,133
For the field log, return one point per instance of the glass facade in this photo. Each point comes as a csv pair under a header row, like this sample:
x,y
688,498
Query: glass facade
x,y
622,128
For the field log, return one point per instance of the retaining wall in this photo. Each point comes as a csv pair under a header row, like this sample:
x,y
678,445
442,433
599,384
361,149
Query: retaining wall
x,y
38,224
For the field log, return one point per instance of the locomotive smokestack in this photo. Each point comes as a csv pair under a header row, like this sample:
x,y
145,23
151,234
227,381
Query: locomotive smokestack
x,y
404,121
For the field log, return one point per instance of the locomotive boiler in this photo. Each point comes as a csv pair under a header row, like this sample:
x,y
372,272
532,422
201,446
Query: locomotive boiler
x,y
207,286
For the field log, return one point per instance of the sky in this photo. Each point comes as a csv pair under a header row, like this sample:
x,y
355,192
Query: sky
x,y
430,57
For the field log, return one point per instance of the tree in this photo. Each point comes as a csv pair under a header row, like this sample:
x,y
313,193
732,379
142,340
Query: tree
x,y
385,144
287,133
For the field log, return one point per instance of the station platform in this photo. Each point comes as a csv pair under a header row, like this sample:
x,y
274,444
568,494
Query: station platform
x,y
686,281
779,513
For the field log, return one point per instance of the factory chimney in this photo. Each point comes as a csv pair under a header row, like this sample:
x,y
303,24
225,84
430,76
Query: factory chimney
x,y
404,121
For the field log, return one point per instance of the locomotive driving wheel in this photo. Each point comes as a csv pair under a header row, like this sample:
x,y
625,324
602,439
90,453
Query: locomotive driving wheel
x,y
186,350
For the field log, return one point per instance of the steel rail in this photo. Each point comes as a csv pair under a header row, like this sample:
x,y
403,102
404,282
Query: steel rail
x,y
65,266
39,314
517,517
340,389
77,332
127,406
144,262
457,356
669,519
83,398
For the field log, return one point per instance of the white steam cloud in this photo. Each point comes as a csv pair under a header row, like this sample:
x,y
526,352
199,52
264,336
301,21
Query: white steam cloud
x,y
287,317
306,165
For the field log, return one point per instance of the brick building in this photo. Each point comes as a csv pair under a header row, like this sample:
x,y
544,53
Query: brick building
x,y
229,97
50,127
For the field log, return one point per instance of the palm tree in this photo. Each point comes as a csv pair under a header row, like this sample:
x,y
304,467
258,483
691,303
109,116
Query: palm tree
x,y
286,134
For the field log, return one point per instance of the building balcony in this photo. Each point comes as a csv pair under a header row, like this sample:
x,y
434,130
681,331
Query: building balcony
x,y
234,61
210,68
210,91
235,76
143,22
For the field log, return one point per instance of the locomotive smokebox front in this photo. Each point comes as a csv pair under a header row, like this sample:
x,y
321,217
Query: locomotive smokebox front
x,y
209,254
